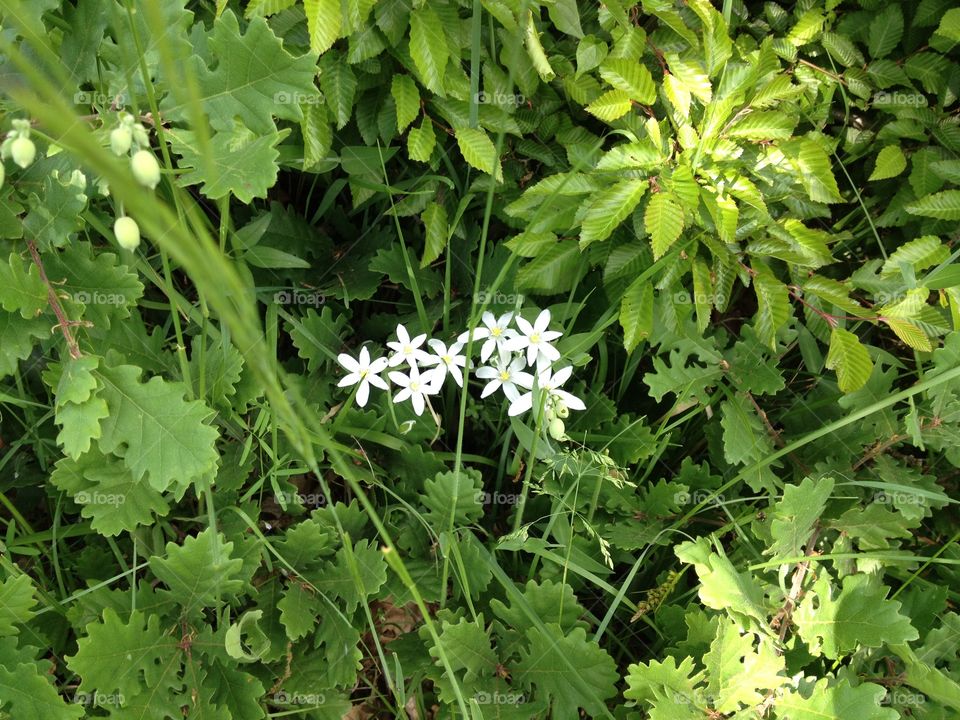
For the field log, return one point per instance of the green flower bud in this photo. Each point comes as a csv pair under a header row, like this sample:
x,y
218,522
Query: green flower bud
x,y
3,174
557,429
140,135
145,168
120,140
549,414
23,151
562,410
127,232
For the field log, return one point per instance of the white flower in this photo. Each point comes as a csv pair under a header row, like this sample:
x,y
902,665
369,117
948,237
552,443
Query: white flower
x,y
406,349
549,383
507,375
496,331
536,339
414,386
364,372
446,360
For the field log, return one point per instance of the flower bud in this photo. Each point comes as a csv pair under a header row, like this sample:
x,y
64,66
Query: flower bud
x,y
562,410
120,140
23,151
145,168
127,232
3,174
557,429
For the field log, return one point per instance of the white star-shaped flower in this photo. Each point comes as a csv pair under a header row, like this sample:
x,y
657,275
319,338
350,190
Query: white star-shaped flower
x,y
414,387
362,372
507,374
550,384
535,340
447,360
407,350
496,331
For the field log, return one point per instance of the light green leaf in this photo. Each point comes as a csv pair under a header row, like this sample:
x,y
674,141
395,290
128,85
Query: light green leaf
x,y
428,47
942,205
407,99
636,313
663,219
436,232
21,289
200,572
323,23
850,359
631,77
835,700
479,151
773,305
886,29
890,162
794,515
611,105
608,208
421,141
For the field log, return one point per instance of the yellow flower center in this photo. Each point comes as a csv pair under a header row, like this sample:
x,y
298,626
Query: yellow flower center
x,y
363,374
504,375
446,359
415,386
535,338
407,349
496,332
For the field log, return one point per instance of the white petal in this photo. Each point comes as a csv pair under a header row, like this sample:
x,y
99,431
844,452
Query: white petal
x,y
378,365
398,378
438,347
521,404
510,390
363,393
487,349
457,375
488,319
571,401
525,327
402,395
348,362
364,357
418,403
349,379
418,340
402,335
505,319
542,322
490,388
396,360
531,354
523,379
378,381
518,343
487,372
550,351
561,376
550,335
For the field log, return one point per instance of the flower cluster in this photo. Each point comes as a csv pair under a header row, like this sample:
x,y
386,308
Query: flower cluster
x,y
517,359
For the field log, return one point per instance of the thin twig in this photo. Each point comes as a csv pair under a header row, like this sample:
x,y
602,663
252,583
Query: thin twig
x,y
62,321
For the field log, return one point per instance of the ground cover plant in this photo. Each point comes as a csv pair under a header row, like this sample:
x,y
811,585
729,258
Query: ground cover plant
x,y
479,359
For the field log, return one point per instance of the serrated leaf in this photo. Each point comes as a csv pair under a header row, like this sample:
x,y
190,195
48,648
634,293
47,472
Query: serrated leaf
x,y
850,359
317,135
608,208
909,333
436,232
200,572
428,47
890,163
740,674
690,75
763,125
886,29
745,437
479,151
636,313
610,105
793,516
339,84
773,305
323,23
16,603
28,695
421,141
407,99
663,219
299,608
942,205
630,77
835,700
859,616
156,431
318,336
21,289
